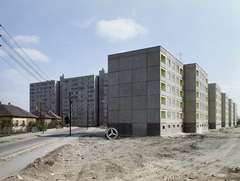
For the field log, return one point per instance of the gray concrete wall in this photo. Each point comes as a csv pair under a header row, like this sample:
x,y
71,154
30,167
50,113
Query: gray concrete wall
x,y
135,93
225,110
195,99
214,106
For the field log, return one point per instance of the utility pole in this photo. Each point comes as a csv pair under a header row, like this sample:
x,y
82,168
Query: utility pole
x,y
70,107
87,116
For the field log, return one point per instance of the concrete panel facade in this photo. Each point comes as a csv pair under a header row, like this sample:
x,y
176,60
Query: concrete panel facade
x,y
45,94
103,97
144,79
85,99
214,106
235,114
231,115
195,99
225,110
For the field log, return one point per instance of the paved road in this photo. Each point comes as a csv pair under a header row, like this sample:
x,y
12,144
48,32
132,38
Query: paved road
x,y
11,148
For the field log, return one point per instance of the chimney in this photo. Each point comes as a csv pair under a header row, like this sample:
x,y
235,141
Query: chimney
x,y
9,103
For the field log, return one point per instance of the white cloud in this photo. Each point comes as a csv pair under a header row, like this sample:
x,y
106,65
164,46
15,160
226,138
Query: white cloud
x,y
35,55
119,29
81,25
27,39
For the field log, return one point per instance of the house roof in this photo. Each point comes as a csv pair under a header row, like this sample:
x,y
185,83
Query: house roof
x,y
14,111
53,115
40,114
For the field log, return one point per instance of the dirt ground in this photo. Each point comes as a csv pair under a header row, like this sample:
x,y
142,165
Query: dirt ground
x,y
211,156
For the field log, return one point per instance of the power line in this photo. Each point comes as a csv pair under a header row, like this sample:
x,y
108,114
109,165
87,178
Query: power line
x,y
15,68
19,63
19,55
23,51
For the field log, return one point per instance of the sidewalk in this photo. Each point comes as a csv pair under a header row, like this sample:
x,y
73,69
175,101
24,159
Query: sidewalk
x,y
19,137
13,166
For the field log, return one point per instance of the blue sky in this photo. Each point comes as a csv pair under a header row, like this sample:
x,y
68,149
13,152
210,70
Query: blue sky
x,y
74,38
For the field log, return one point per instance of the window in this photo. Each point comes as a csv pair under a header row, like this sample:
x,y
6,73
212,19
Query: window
x,y
206,89
206,98
181,93
163,127
181,71
163,72
168,62
206,80
197,83
173,78
197,105
163,59
169,115
173,103
173,115
163,100
178,103
163,86
197,115
173,90
168,76
181,115
207,117
173,66
168,102
197,72
163,114
181,82
197,94
181,104
168,88
177,92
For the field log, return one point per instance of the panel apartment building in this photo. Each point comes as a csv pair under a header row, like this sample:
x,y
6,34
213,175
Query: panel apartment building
x,y
214,106
195,99
234,114
231,115
45,96
84,97
145,92
103,97
225,110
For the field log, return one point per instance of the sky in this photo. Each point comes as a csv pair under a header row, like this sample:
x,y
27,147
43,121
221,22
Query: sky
x,y
75,37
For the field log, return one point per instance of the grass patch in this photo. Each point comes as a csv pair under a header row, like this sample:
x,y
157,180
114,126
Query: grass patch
x,y
4,142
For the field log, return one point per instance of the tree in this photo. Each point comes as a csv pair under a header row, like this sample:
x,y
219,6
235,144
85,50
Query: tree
x,y
5,123
67,120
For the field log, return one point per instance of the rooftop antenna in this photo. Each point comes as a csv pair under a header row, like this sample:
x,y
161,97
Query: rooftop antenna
x,y
180,54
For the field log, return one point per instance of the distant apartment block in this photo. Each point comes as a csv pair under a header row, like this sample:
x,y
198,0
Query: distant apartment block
x,y
196,99
145,92
225,110
103,97
45,96
214,106
234,114
231,115
84,96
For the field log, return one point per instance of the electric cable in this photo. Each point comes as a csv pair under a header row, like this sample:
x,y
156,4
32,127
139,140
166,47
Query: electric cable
x,y
15,68
19,63
19,55
23,51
